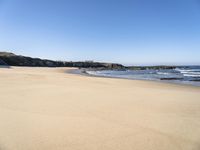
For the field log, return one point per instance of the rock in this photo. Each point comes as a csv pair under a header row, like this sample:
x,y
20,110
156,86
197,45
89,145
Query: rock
x,y
2,63
150,67
171,78
18,60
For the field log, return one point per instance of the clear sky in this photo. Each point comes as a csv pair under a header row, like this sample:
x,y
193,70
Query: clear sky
x,y
123,31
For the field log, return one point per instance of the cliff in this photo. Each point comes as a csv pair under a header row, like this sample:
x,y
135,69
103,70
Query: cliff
x,y
18,60
11,59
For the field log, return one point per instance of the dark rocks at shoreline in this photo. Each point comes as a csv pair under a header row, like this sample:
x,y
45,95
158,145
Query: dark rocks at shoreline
x,y
195,79
2,63
18,60
150,67
171,78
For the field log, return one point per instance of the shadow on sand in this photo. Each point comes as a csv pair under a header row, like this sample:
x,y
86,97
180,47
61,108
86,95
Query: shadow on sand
x,y
3,66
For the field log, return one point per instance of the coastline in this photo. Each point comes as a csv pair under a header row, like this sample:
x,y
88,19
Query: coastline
x,y
47,108
83,72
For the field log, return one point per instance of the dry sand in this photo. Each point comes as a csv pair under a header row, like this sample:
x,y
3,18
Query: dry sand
x,y
47,109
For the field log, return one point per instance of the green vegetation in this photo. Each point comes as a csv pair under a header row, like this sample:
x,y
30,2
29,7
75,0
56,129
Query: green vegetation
x,y
11,59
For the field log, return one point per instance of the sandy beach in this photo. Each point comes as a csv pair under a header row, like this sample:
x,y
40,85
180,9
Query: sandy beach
x,y
48,109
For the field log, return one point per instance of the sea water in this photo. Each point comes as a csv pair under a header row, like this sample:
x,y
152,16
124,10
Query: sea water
x,y
184,74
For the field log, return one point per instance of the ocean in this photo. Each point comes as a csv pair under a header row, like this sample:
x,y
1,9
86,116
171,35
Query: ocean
x,y
182,75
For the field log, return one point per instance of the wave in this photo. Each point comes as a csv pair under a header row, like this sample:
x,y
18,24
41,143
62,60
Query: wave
x,y
189,72
163,73
191,75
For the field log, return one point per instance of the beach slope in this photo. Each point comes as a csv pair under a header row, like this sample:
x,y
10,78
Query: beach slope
x,y
49,109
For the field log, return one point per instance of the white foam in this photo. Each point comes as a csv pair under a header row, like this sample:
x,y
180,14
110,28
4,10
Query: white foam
x,y
191,75
163,73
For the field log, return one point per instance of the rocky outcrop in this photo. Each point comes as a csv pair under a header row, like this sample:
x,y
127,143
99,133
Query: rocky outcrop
x,y
150,67
2,63
18,60
171,78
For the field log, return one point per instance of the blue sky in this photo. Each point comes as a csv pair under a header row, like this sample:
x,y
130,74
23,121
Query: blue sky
x,y
124,31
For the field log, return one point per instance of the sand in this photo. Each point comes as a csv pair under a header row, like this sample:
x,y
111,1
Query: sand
x,y
47,109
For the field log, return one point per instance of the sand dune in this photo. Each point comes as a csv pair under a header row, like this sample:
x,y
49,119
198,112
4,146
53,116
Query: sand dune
x,y
47,109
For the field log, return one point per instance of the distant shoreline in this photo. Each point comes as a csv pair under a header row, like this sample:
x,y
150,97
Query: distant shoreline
x,y
83,72
11,59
